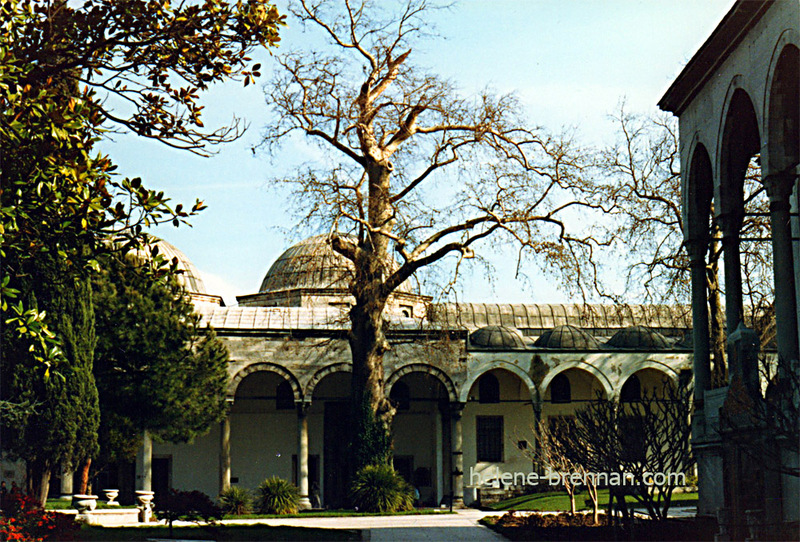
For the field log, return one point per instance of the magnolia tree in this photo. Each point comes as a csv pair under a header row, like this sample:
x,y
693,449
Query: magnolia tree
x,y
411,171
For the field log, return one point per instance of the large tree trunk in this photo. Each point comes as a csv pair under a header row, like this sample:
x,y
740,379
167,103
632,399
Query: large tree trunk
x,y
83,477
38,474
372,412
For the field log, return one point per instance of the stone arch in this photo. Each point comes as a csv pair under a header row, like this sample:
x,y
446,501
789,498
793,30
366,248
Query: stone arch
x,y
577,364
342,367
740,138
781,108
265,367
435,372
636,366
698,193
497,364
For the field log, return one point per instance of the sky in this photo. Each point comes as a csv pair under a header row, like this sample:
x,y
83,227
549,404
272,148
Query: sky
x,y
571,62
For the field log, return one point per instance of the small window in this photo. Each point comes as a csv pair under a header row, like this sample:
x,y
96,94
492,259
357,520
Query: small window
x,y
407,311
631,390
284,397
490,438
560,390
488,389
632,438
401,396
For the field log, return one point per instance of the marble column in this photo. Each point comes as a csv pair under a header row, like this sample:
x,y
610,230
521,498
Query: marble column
x,y
779,189
225,453
302,453
66,482
701,338
144,464
456,413
734,309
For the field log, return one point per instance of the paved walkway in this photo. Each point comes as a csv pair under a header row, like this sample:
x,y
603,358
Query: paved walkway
x,y
462,526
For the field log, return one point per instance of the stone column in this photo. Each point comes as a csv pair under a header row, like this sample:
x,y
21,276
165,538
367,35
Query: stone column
x,y
144,464
779,189
225,453
439,455
66,482
456,413
734,310
700,332
302,453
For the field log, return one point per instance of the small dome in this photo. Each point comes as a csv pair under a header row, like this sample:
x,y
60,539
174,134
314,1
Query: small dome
x,y
189,277
497,337
311,264
567,337
639,337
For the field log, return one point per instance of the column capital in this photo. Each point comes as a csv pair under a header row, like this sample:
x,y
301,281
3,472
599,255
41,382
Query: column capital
x,y
779,186
696,248
302,407
457,409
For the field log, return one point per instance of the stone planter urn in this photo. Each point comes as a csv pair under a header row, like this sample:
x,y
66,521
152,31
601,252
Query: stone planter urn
x,y
111,494
84,503
145,501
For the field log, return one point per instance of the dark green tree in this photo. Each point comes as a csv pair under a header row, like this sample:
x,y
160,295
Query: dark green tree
x,y
62,430
156,369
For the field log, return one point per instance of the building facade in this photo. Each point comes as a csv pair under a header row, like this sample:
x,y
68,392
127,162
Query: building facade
x,y
468,381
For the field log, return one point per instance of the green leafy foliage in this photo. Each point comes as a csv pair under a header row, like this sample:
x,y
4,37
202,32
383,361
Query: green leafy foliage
x,y
236,501
62,67
63,427
379,488
277,496
156,369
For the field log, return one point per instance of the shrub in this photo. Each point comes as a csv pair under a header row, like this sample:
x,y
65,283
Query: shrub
x,y
236,501
379,488
188,506
24,520
276,496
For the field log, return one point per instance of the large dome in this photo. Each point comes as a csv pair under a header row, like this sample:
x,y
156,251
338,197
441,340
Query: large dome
x,y
311,264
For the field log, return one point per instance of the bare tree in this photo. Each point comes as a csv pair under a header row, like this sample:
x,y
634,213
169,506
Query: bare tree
x,y
646,442
413,169
641,177
556,458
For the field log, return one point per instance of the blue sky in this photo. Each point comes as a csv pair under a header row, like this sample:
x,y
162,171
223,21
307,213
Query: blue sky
x,y
570,61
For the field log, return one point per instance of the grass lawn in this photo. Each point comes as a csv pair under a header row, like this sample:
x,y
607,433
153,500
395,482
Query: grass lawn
x,y
220,533
66,504
340,513
559,501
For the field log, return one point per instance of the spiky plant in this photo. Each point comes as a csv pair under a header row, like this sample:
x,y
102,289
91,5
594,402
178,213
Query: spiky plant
x,y
379,488
236,501
277,496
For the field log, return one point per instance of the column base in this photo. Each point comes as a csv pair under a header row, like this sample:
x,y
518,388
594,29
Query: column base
x,y
304,504
458,503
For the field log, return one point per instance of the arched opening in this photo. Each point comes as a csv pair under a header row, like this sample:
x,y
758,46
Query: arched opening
x,y
257,453
421,434
560,389
488,389
784,112
740,164
567,392
329,419
401,396
631,390
498,424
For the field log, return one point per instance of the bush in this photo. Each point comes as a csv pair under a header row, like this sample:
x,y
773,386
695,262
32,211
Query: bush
x,y
188,506
24,520
236,501
276,496
379,488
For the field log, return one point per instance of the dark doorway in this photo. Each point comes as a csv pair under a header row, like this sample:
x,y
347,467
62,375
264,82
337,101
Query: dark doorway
x,y
162,476
335,427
